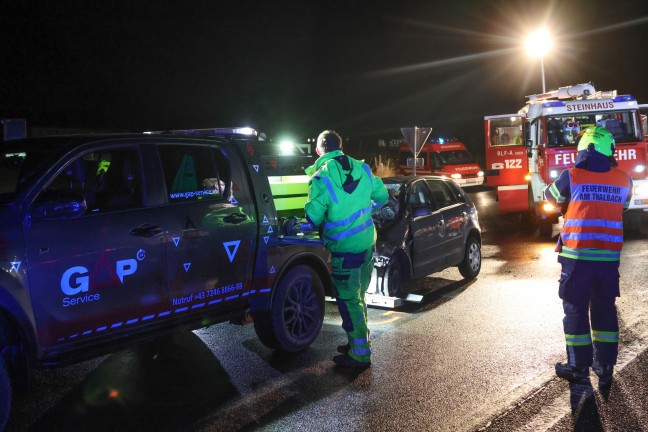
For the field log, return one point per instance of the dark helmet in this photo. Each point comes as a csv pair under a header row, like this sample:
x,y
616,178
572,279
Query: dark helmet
x,y
328,141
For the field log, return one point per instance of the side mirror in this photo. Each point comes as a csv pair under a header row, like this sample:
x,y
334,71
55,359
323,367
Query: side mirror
x,y
58,204
528,144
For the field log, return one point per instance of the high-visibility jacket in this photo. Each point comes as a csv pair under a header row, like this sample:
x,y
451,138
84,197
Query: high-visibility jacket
x,y
341,190
593,227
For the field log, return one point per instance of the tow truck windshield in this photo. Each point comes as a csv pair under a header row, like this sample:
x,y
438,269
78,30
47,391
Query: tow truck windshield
x,y
18,165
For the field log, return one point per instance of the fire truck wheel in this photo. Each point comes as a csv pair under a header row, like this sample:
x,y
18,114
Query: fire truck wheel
x,y
632,221
529,221
546,228
297,312
471,264
5,394
393,281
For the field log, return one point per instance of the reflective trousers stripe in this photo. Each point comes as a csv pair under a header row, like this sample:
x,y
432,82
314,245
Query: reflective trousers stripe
x,y
610,337
578,340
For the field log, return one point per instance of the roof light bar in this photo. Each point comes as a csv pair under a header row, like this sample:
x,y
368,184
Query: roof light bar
x,y
209,131
624,98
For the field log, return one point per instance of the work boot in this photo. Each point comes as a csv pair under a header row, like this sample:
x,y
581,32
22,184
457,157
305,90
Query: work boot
x,y
571,373
604,373
343,349
345,361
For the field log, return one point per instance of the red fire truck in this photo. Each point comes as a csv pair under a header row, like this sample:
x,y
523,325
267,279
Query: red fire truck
x,y
446,158
528,150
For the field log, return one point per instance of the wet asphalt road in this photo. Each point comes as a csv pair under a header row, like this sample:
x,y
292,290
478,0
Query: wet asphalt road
x,y
471,356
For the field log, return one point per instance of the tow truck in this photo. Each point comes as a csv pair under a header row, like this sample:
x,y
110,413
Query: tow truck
x,y
109,241
527,150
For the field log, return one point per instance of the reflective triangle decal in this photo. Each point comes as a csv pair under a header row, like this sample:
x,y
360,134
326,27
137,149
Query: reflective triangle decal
x,y
233,200
265,219
186,266
272,270
266,238
256,168
176,240
270,230
231,248
15,265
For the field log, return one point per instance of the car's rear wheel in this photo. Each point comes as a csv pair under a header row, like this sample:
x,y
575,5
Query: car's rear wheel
x,y
5,394
297,311
471,264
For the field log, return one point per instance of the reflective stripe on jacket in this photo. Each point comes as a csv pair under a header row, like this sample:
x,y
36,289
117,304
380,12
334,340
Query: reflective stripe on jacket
x,y
593,228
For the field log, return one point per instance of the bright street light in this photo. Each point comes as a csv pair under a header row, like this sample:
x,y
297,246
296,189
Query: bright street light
x,y
538,44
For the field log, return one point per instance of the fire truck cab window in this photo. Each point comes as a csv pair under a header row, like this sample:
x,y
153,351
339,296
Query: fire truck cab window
x,y
506,131
566,130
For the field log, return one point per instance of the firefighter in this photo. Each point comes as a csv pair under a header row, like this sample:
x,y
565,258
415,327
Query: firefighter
x,y
340,194
593,196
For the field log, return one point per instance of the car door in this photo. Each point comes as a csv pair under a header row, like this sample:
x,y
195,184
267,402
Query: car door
x,y
95,254
454,220
211,223
427,228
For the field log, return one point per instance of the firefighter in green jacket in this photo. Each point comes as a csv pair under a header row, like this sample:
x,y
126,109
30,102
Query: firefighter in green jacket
x,y
341,193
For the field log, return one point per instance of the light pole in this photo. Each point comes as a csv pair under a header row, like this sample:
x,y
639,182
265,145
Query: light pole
x,y
538,44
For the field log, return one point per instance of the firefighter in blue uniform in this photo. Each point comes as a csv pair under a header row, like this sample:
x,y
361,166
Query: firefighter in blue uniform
x,y
595,194
340,195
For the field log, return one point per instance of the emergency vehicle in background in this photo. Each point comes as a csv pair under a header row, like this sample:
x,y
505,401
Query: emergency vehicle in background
x,y
445,158
528,150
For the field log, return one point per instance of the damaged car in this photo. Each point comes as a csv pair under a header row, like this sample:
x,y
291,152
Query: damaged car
x,y
428,225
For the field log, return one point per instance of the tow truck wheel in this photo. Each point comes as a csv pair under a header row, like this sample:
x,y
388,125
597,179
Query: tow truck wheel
x,y
392,282
471,264
296,314
5,394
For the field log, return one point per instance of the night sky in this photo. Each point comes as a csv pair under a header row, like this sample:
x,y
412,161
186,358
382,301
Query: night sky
x,y
294,68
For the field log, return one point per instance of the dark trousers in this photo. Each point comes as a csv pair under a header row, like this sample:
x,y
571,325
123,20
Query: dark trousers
x,y
589,290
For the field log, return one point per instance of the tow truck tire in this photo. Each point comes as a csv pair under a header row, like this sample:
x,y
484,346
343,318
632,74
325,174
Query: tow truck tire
x,y
393,281
471,264
5,394
297,312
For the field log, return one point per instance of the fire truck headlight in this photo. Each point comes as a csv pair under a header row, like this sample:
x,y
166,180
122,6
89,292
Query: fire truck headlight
x,y
640,190
480,174
553,174
548,207
640,168
527,177
456,176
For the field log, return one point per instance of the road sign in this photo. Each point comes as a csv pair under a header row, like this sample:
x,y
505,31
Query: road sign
x,y
416,137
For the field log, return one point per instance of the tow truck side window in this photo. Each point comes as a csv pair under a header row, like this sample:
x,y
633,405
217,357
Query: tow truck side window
x,y
194,173
108,180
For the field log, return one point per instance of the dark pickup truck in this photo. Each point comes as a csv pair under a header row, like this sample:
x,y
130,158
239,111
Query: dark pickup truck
x,y
107,241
